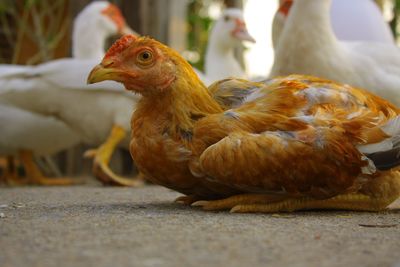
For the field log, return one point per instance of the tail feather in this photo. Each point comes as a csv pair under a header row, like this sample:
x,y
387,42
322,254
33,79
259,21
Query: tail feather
x,y
392,127
386,160
385,154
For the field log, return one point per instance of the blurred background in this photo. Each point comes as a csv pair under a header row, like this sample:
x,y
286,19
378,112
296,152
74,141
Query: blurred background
x,y
36,31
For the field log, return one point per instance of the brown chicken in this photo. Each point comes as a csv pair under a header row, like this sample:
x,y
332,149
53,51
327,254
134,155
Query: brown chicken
x,y
288,144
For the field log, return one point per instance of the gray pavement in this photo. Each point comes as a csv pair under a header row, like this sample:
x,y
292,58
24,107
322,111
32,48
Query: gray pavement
x,y
98,226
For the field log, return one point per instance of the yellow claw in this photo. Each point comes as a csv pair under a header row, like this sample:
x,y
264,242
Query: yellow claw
x,y
253,203
188,200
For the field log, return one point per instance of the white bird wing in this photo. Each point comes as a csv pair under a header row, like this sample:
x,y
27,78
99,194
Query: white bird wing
x,y
72,73
68,73
376,67
383,55
43,134
8,70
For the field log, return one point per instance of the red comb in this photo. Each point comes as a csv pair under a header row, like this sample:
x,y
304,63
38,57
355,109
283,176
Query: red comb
x,y
120,45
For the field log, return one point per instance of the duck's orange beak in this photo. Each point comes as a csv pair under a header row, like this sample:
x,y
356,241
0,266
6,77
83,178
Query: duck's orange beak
x,y
241,33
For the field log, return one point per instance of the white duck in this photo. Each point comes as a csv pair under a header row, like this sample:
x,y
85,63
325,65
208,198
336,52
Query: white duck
x,y
47,109
355,20
227,33
309,46
93,25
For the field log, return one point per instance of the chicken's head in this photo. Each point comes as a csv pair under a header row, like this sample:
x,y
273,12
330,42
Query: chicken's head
x,y
142,64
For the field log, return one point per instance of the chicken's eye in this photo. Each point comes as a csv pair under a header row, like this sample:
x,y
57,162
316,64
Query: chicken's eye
x,y
145,57
227,18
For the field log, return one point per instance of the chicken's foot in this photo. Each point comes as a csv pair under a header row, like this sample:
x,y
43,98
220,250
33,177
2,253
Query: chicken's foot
x,y
187,200
261,204
233,201
102,157
356,202
35,176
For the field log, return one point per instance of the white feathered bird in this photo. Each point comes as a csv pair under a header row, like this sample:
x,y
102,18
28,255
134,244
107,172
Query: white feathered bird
x,y
355,20
93,25
49,107
309,46
227,33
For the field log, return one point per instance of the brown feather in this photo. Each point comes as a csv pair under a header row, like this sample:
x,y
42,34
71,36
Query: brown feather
x,y
292,136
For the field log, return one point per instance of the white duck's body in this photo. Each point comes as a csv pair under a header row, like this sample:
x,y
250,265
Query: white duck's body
x,y
87,113
66,73
359,20
228,32
309,46
92,26
355,20
43,134
49,108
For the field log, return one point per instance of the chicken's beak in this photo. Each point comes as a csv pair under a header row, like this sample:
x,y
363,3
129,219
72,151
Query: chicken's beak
x,y
240,32
102,73
128,30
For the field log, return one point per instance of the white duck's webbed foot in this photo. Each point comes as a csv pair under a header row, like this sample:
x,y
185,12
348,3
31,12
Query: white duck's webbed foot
x,y
9,174
35,176
102,156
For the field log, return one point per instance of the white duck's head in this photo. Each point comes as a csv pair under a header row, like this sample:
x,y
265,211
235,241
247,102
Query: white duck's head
x,y
230,29
93,25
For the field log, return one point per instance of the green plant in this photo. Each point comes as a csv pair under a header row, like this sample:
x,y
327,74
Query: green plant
x,y
394,23
199,23
42,21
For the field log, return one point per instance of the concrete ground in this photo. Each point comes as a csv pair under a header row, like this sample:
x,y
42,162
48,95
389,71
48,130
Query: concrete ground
x,y
99,226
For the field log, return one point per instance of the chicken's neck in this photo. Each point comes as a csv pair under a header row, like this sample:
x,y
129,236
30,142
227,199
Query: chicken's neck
x,y
178,107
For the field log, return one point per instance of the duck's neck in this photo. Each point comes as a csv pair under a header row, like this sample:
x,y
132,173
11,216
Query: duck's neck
x,y
308,39
220,58
309,23
87,43
179,106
